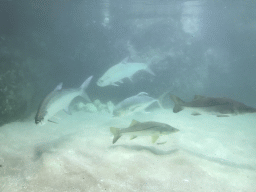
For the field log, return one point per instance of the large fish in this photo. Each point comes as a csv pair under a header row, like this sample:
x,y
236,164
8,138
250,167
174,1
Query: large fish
x,y
216,106
59,99
120,71
149,128
133,104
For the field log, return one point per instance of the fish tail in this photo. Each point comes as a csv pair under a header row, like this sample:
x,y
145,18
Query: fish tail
x,y
116,133
161,98
84,86
150,71
178,103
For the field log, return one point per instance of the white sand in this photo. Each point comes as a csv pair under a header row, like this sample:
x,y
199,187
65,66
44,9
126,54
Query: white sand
x,y
208,154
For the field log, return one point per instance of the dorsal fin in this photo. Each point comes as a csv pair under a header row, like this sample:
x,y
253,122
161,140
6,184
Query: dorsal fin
x,y
124,61
142,93
59,87
134,122
199,97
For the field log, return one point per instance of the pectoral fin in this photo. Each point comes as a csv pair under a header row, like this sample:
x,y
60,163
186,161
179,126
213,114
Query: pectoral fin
x,y
116,137
67,111
162,143
222,115
154,138
195,113
52,121
133,137
116,133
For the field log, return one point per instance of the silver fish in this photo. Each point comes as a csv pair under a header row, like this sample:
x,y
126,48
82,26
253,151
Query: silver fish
x,y
133,104
221,107
120,71
149,128
59,99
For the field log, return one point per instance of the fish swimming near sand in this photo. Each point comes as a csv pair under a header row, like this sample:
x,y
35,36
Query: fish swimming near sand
x,y
134,104
120,71
59,99
221,107
149,128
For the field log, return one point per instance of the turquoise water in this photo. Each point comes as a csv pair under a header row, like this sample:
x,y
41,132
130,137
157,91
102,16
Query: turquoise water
x,y
160,48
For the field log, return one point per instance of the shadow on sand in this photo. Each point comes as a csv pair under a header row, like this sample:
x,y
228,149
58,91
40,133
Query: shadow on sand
x,y
156,151
153,150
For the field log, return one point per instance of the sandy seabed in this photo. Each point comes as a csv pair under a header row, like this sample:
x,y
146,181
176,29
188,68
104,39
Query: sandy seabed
x,y
208,154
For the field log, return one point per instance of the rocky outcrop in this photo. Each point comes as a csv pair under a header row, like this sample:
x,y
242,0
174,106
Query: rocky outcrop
x,y
13,104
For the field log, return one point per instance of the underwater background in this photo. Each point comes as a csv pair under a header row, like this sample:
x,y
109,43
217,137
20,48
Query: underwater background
x,y
193,47
202,48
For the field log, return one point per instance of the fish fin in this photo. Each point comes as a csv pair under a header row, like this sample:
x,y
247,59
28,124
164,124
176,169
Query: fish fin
x,y
84,87
154,138
67,110
162,143
150,71
52,121
199,97
177,108
142,93
134,122
59,87
222,115
130,78
120,81
86,83
195,113
114,84
133,137
56,117
86,97
178,102
161,98
160,104
116,133
124,61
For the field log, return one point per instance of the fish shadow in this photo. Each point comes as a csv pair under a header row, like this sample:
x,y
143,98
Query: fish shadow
x,y
50,146
152,150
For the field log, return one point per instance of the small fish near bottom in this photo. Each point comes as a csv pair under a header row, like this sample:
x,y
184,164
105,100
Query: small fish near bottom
x,y
149,128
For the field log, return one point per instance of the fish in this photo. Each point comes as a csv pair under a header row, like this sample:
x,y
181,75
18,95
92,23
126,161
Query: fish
x,y
118,72
219,106
149,128
59,99
134,103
